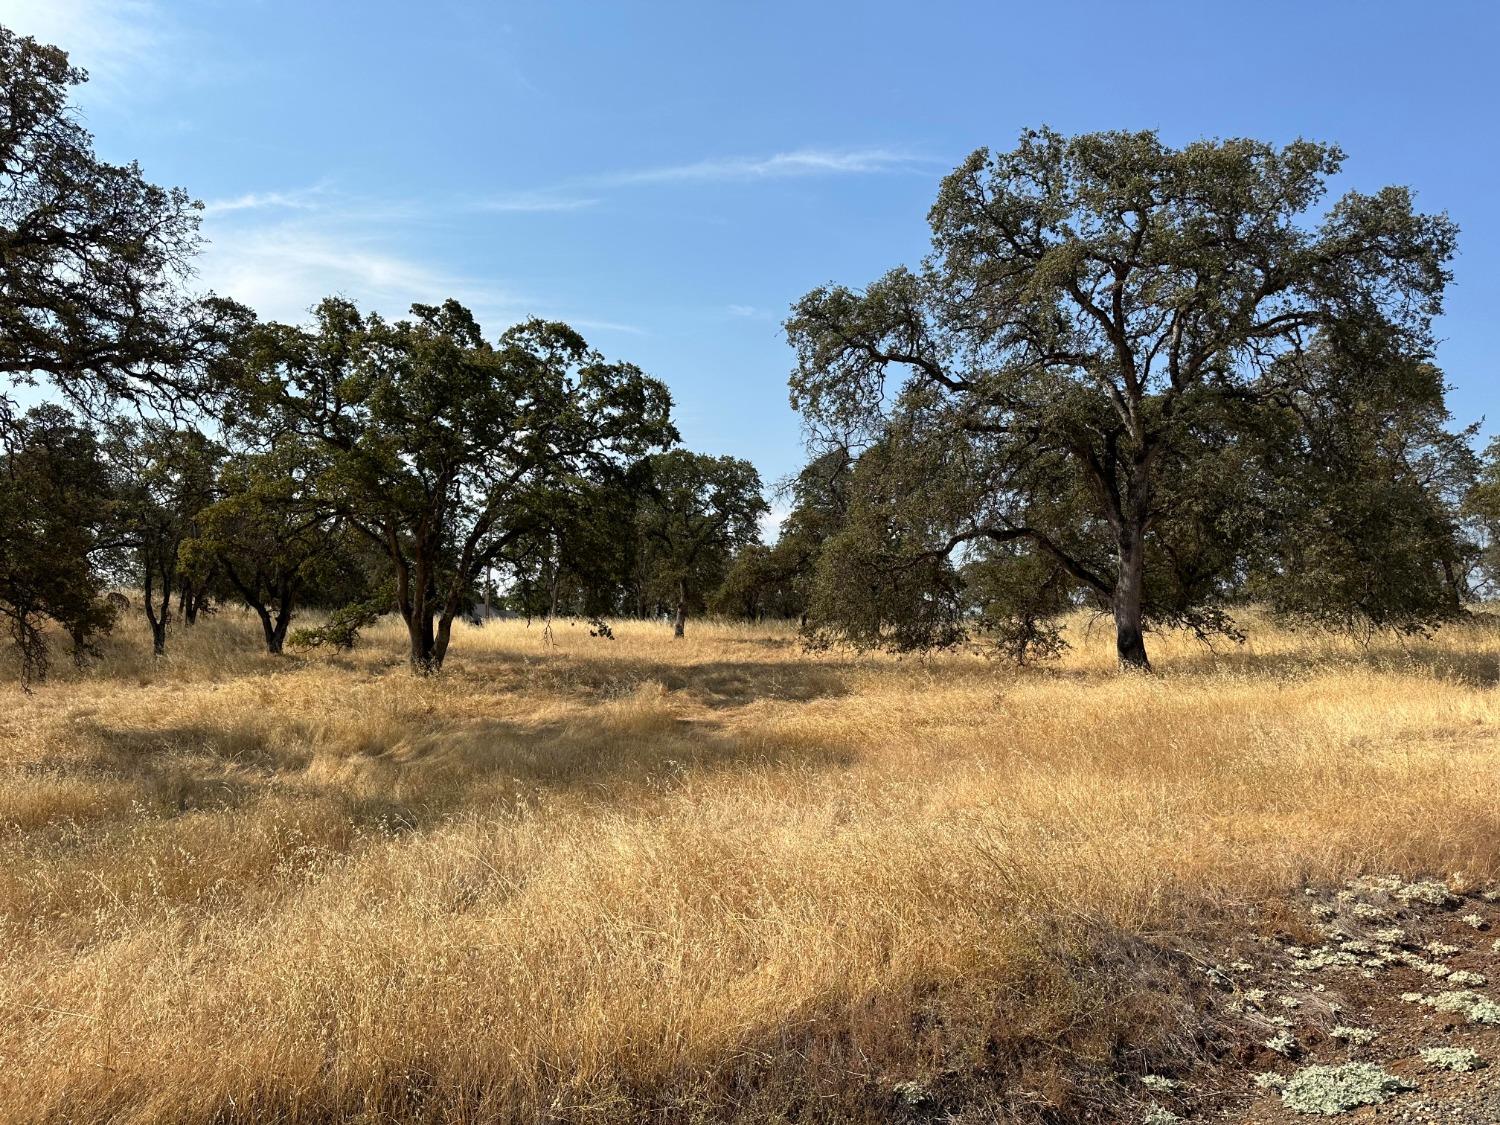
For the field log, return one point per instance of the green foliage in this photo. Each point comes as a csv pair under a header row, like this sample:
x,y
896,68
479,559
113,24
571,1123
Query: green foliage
x,y
1481,508
91,255
446,452
341,631
164,478
1116,357
696,511
56,524
270,538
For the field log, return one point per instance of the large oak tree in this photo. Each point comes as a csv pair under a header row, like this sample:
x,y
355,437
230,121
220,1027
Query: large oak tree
x,y
442,447
93,256
1107,355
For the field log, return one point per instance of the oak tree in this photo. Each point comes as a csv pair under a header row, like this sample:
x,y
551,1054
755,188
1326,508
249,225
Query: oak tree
x,y
1086,368
440,445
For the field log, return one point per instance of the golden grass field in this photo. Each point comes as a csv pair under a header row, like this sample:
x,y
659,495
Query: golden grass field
x,y
719,878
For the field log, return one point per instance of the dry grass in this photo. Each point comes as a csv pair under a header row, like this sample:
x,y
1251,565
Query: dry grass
x,y
718,878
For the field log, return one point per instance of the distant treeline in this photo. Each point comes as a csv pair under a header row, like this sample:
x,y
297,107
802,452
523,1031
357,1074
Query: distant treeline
x,y
1141,379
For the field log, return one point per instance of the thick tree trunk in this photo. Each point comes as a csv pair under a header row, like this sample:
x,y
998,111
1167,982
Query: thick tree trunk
x,y
274,629
277,640
440,642
680,625
424,654
1129,640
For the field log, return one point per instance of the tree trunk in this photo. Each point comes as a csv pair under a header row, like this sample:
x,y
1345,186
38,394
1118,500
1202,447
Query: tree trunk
x,y
424,656
1129,641
440,642
274,629
277,640
680,625
157,619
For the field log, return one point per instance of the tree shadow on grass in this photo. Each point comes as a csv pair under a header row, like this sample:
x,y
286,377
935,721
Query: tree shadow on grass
x,y
717,684
413,770
1412,658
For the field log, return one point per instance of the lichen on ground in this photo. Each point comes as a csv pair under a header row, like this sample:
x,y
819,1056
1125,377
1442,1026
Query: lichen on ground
x,y
1330,1090
1476,1008
1428,892
1452,1058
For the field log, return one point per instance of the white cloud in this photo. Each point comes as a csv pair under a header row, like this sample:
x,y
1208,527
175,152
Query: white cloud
x,y
590,325
532,202
283,269
770,523
114,40
305,200
783,165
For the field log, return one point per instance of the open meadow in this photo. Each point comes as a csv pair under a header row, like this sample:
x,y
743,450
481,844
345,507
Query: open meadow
x,y
715,878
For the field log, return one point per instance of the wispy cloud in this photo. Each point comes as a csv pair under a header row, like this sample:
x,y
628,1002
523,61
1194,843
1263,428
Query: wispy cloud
x,y
590,325
782,165
281,266
304,200
283,269
534,202
114,40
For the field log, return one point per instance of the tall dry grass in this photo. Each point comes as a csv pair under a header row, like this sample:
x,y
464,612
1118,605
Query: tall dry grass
x,y
718,878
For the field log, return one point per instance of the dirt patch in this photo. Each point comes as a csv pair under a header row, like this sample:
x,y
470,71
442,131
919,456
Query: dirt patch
x,y
1371,1003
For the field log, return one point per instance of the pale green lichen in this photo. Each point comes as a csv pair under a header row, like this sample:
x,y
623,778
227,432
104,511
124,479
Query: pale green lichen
x,y
1427,892
1465,979
1431,968
1358,1036
1159,1083
1283,1043
1476,1008
1330,1090
1474,922
1452,1058
1368,912
1156,1115
1270,1080
1390,935
1440,949
1317,959
911,1093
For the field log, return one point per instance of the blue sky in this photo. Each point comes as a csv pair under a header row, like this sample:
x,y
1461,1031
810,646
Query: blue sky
x,y
670,176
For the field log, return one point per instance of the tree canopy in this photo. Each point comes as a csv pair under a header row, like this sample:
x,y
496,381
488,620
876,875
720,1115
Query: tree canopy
x,y
696,512
1117,356
441,446
93,257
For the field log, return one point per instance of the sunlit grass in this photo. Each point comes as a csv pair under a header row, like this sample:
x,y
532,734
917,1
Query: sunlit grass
x,y
582,879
